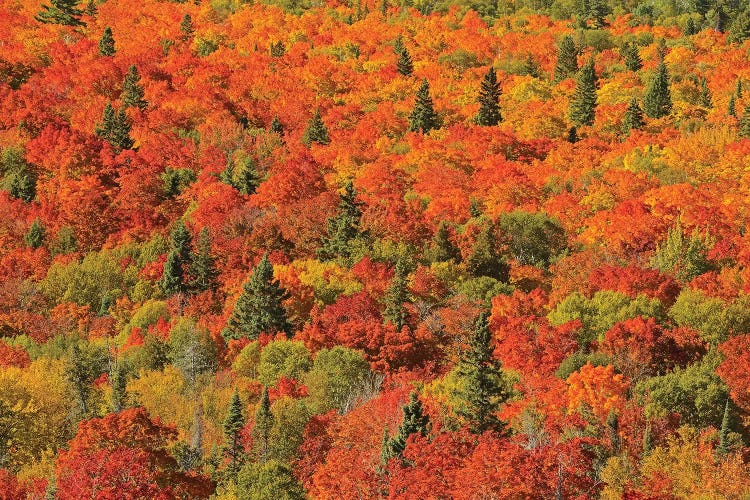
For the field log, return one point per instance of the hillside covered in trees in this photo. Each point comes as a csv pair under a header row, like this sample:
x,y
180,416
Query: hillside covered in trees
x,y
374,249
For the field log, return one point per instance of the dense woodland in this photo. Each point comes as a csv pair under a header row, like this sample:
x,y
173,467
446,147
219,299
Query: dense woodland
x,y
337,250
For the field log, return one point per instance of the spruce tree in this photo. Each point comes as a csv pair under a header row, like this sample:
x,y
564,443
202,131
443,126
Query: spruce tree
x,y
633,117
705,98
262,428
583,102
489,100
690,27
187,29
107,43
244,175
738,89
132,90
115,128
745,123
91,9
404,64
119,391
415,421
276,126
398,45
726,423
732,107
632,56
344,227
485,259
443,249
567,59
65,12
572,136
530,67
423,118
203,268
316,131
658,101
259,308
395,297
35,237
179,258
233,424
483,385
23,186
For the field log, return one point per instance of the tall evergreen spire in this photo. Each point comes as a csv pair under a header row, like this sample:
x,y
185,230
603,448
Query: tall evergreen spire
x,y
489,100
415,421
633,117
404,64
259,308
233,424
203,266
344,227
132,90
423,118
65,12
107,43
583,102
316,131
567,59
115,128
187,30
262,428
658,101
395,297
632,56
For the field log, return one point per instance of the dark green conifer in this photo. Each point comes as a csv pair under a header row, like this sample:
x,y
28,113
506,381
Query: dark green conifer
x,y
107,43
489,100
344,227
530,67
23,186
443,249
726,424
233,425
91,9
259,308
567,59
398,45
690,27
179,259
415,421
119,391
316,131
187,29
633,117
732,107
658,101
745,123
203,269
262,428
583,102
277,49
572,136
423,118
132,90
395,298
738,89
35,237
65,12
484,388
630,53
404,64
115,128
485,259
276,126
705,98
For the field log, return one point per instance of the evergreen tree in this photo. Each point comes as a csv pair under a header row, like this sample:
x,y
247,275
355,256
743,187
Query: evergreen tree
x,y
705,98
633,117
415,421
384,8
65,12
233,425
583,102
344,227
115,128
119,391
187,29
385,451
398,45
35,237
720,23
277,49
648,440
745,123
489,100
259,308
91,9
316,131
690,27
276,126
658,101
726,423
132,90
107,43
567,59
443,249
732,107
23,186
484,388
244,175
572,136
262,428
738,89
485,259
632,56
598,10
404,64
613,429
530,67
395,297
178,261
423,118
203,268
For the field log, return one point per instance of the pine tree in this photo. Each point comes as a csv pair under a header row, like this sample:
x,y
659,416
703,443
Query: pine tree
x,y
583,102
179,258
705,98
485,259
262,428
187,29
65,12
633,117
726,423
423,118
489,100
119,391
259,308
233,424
203,267
276,126
598,10
738,89
316,131
107,43
745,123
690,27
567,59
395,297
484,388
658,102
244,176
415,421
344,227
732,107
443,249
632,56
132,90
35,237
115,128
404,64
